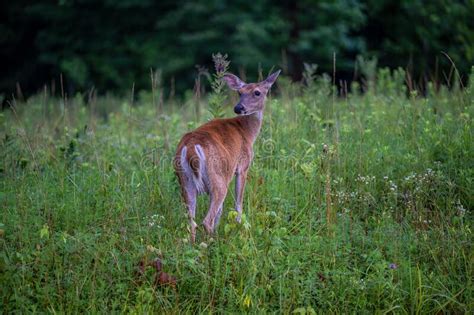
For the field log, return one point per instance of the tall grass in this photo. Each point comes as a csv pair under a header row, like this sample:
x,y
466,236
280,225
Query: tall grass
x,y
88,191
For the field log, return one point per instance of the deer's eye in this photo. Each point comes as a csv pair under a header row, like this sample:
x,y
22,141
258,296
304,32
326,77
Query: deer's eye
x,y
256,93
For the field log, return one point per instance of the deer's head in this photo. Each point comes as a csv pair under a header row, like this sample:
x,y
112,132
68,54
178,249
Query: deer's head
x,y
252,95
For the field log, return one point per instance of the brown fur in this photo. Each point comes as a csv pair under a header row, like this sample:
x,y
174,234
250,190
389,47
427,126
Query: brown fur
x,y
227,145
225,142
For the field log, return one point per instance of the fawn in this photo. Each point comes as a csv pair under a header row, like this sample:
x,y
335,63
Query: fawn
x,y
208,157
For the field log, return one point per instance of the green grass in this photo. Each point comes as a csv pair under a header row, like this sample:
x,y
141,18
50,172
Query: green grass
x,y
88,191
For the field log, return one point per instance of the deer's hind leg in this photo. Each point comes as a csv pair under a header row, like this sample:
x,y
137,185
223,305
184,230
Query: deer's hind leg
x,y
215,209
189,193
219,183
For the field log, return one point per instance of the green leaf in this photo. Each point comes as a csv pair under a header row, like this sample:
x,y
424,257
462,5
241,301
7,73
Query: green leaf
x,y
44,232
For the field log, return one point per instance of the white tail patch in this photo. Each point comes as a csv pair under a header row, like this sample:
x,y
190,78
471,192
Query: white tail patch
x,y
199,181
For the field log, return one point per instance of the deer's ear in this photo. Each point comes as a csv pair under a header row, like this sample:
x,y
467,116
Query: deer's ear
x,y
233,81
271,78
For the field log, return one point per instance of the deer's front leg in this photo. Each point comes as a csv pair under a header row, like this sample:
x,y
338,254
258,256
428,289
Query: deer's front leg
x,y
240,179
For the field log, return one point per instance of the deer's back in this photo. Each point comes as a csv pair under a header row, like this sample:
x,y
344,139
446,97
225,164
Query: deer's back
x,y
225,143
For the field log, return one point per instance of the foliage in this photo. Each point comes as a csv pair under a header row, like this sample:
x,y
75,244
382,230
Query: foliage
x,y
112,45
88,191
218,97
434,27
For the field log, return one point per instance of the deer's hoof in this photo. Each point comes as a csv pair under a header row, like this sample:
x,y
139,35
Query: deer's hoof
x,y
208,227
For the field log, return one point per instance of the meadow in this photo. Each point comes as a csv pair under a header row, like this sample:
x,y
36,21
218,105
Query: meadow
x,y
356,203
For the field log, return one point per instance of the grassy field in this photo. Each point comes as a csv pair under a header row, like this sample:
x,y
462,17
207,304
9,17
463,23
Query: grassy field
x,y
355,203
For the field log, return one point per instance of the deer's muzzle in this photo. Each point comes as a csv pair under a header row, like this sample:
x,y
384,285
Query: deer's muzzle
x,y
239,109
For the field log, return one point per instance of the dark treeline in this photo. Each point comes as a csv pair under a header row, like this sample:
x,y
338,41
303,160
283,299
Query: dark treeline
x,y
111,44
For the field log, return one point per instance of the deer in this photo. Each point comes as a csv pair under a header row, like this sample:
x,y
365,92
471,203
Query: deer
x,y
208,157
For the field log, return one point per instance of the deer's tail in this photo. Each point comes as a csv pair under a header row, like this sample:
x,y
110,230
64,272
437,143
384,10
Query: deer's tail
x,y
194,167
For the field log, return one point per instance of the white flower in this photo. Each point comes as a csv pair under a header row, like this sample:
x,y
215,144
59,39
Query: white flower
x,y
460,208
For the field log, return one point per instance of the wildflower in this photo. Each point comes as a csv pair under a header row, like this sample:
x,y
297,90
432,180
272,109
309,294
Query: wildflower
x,y
460,208
153,220
393,186
393,266
221,63
247,301
325,148
152,249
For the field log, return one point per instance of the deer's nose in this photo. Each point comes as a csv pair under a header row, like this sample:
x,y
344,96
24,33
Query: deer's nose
x,y
238,109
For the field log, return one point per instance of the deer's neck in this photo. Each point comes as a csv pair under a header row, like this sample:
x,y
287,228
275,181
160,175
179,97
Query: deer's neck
x,y
252,124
